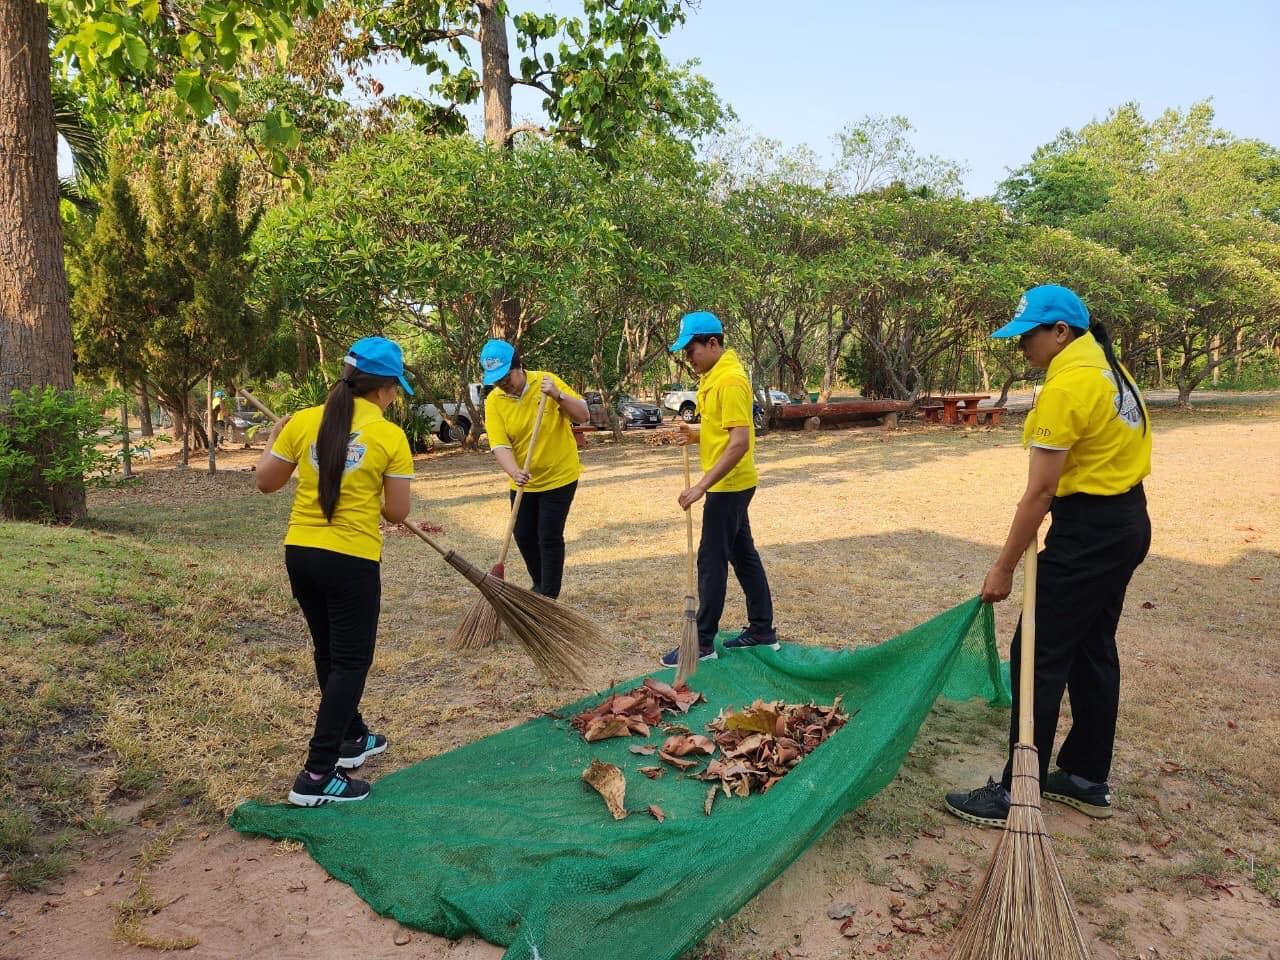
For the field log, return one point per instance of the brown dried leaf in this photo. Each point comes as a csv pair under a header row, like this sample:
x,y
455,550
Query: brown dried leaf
x,y
676,761
708,803
647,750
657,813
680,746
1168,766
608,781
653,773
603,729
906,926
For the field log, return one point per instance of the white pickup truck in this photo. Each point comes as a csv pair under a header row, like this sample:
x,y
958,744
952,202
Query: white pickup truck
x,y
457,412
684,403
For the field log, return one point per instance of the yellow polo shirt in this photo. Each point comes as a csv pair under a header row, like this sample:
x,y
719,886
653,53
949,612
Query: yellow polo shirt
x,y
509,423
1081,410
724,401
375,450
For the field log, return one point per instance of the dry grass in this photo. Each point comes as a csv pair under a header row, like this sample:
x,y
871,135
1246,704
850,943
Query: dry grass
x,y
155,658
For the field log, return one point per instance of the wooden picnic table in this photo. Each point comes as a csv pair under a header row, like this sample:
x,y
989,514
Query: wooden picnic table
x,y
948,409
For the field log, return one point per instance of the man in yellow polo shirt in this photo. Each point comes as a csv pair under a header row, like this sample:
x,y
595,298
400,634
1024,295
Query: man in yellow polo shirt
x,y
726,443
552,478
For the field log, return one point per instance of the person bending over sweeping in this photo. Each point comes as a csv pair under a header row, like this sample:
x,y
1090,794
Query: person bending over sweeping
x,y
726,445
552,478
1090,443
353,466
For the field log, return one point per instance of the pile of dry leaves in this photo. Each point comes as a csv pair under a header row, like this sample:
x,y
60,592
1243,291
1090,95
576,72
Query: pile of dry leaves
x,y
636,711
758,746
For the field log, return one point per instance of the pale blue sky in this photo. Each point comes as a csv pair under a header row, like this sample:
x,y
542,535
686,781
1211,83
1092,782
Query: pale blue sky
x,y
983,82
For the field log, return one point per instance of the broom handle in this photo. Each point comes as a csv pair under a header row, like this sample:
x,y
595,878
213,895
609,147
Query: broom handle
x,y
257,403
515,504
688,522
421,533
1027,668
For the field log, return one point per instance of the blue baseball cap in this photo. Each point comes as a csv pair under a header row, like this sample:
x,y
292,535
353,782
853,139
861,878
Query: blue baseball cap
x,y
380,357
692,324
1047,304
495,361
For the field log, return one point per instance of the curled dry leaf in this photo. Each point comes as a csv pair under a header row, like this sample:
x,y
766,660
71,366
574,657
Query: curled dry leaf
x,y
682,746
653,773
762,743
677,762
603,728
656,812
608,781
634,712
708,803
646,751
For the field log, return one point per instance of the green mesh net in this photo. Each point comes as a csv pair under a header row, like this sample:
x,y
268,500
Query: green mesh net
x,y
501,838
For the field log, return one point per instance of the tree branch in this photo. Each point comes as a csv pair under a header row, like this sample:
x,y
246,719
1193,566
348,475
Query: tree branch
x,y
527,128
537,84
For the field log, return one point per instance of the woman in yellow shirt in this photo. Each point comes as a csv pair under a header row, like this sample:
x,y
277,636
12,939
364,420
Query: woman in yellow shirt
x,y
353,467
552,478
1090,441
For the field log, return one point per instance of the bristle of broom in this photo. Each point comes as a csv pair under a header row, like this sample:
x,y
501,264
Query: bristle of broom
x,y
560,643
480,627
1022,910
687,656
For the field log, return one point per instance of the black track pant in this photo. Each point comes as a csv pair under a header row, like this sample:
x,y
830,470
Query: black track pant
x,y
1094,545
726,540
339,596
539,534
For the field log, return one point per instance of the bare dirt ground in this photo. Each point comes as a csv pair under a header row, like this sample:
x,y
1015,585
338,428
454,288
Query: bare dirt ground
x,y
864,534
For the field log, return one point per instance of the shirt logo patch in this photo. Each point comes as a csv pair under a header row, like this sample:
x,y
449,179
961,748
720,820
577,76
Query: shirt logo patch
x,y
355,454
1125,403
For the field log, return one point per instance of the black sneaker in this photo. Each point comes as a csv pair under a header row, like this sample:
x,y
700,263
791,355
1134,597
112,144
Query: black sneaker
x,y
987,806
335,788
352,753
750,638
1093,799
672,659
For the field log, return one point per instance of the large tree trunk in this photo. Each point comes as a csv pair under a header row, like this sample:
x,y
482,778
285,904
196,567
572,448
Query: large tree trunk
x,y
495,73
495,84
35,325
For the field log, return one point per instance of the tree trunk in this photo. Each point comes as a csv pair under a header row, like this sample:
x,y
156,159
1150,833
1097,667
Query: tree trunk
x,y
1215,354
1239,352
186,431
144,415
980,357
495,84
126,460
495,73
300,334
213,434
35,325
1159,366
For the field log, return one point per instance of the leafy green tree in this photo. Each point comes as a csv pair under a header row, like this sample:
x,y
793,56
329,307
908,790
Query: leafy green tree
x,y
111,302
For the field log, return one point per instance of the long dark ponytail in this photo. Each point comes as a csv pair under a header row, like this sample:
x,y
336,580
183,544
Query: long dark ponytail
x,y
335,431
1123,380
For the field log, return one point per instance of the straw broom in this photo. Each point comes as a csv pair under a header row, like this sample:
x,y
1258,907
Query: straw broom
x,y
687,658
558,641
1022,910
480,628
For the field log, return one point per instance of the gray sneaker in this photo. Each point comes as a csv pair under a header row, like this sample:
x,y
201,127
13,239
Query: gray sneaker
x,y
1092,799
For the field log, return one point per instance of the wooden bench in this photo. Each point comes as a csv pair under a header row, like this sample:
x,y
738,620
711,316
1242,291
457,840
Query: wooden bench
x,y
579,435
991,416
932,412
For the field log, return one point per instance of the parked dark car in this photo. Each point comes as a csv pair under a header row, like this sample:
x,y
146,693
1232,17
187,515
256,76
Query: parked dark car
x,y
631,412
